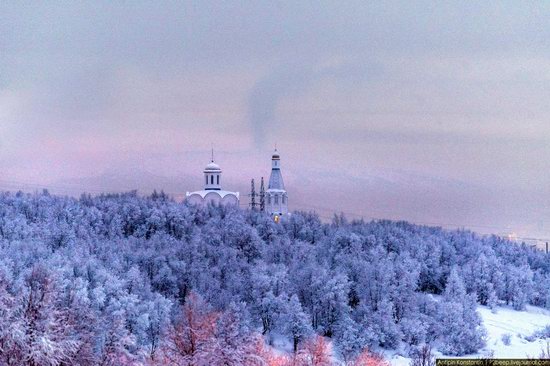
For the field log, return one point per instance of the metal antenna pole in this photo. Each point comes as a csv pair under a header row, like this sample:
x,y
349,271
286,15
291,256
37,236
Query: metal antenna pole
x,y
252,195
262,195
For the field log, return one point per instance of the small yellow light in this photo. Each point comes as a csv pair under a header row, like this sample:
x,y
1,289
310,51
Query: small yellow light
x,y
276,218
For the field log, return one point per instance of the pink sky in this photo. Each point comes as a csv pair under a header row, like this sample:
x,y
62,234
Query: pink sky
x,y
432,114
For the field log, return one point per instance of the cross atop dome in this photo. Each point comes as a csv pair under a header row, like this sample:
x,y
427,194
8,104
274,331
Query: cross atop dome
x,y
275,155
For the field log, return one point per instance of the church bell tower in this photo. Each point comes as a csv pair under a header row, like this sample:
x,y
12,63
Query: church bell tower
x,y
276,196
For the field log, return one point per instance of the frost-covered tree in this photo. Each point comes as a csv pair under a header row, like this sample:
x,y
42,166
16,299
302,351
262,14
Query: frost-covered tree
x,y
414,329
382,325
349,338
115,341
269,310
295,322
108,279
541,289
155,324
193,339
461,329
368,358
316,351
11,326
423,356
519,286
233,344
45,331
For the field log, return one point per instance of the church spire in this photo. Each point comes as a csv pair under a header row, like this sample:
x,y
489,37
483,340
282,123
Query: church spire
x,y
276,179
277,198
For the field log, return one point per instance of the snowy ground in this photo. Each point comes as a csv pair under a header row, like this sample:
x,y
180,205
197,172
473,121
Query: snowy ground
x,y
519,324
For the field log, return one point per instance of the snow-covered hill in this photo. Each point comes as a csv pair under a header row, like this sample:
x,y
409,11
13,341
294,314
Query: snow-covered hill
x,y
518,324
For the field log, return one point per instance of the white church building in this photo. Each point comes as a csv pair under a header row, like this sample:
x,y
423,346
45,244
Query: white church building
x,y
276,198
212,191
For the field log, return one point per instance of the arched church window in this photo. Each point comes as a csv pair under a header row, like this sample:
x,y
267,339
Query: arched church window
x,y
284,199
269,199
276,199
217,179
211,179
206,179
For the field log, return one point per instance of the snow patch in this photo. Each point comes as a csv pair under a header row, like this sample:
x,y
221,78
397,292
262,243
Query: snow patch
x,y
519,324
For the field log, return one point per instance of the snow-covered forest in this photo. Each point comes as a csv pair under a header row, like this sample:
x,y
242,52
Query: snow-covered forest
x,y
123,279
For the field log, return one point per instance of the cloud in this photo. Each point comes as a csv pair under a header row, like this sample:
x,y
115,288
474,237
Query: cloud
x,y
284,81
291,80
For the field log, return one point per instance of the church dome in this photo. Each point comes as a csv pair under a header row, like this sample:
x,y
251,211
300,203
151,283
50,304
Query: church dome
x,y
212,167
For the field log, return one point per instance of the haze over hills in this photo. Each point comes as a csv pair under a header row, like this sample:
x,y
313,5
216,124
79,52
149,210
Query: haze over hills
x,y
396,196
439,118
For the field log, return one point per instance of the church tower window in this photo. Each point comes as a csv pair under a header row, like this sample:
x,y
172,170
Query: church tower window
x,y
217,179
276,199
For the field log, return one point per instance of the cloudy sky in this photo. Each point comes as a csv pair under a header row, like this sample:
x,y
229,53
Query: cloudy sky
x,y
435,112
